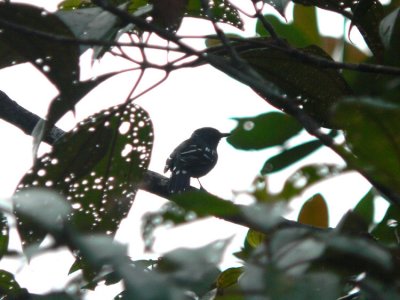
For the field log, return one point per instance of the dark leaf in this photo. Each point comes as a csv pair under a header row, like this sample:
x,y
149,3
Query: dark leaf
x,y
265,130
387,231
97,166
58,61
352,224
315,212
289,156
365,207
67,100
367,15
314,89
169,14
371,131
4,234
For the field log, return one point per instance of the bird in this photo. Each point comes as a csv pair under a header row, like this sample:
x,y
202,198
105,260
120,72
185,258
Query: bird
x,y
194,157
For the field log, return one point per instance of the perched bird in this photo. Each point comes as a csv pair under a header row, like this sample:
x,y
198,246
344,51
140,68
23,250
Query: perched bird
x,y
194,157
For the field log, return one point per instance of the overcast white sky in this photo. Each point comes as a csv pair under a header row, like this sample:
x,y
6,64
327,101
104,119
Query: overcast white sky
x,y
179,106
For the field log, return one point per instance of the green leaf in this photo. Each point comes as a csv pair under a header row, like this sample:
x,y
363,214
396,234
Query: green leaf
x,y
315,212
365,207
59,62
42,209
289,32
229,277
314,89
387,230
305,177
265,130
389,30
305,20
255,238
279,5
289,156
4,234
9,287
98,166
371,130
204,204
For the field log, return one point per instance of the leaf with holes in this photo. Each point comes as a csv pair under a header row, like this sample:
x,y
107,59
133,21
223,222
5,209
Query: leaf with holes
x,y
221,10
59,62
263,131
97,166
315,89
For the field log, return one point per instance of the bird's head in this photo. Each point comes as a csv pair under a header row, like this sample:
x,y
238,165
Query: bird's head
x,y
210,135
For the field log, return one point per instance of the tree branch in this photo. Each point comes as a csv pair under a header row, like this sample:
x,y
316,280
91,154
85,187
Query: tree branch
x,y
154,183
13,113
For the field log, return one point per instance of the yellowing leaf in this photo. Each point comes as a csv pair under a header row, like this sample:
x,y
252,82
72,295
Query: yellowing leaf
x,y
314,212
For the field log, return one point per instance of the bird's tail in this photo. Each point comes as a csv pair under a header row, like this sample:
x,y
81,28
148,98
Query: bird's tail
x,y
178,183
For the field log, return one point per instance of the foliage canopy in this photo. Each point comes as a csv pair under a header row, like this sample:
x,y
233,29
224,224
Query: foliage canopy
x,y
345,99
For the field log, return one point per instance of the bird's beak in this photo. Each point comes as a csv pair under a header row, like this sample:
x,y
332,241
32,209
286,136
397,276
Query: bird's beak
x,y
225,134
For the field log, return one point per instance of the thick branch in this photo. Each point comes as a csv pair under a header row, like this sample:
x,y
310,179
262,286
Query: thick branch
x,y
15,114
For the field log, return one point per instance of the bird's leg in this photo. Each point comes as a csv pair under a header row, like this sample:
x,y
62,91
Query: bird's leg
x,y
201,187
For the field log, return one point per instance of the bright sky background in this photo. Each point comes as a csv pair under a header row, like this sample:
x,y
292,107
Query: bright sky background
x,y
179,106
